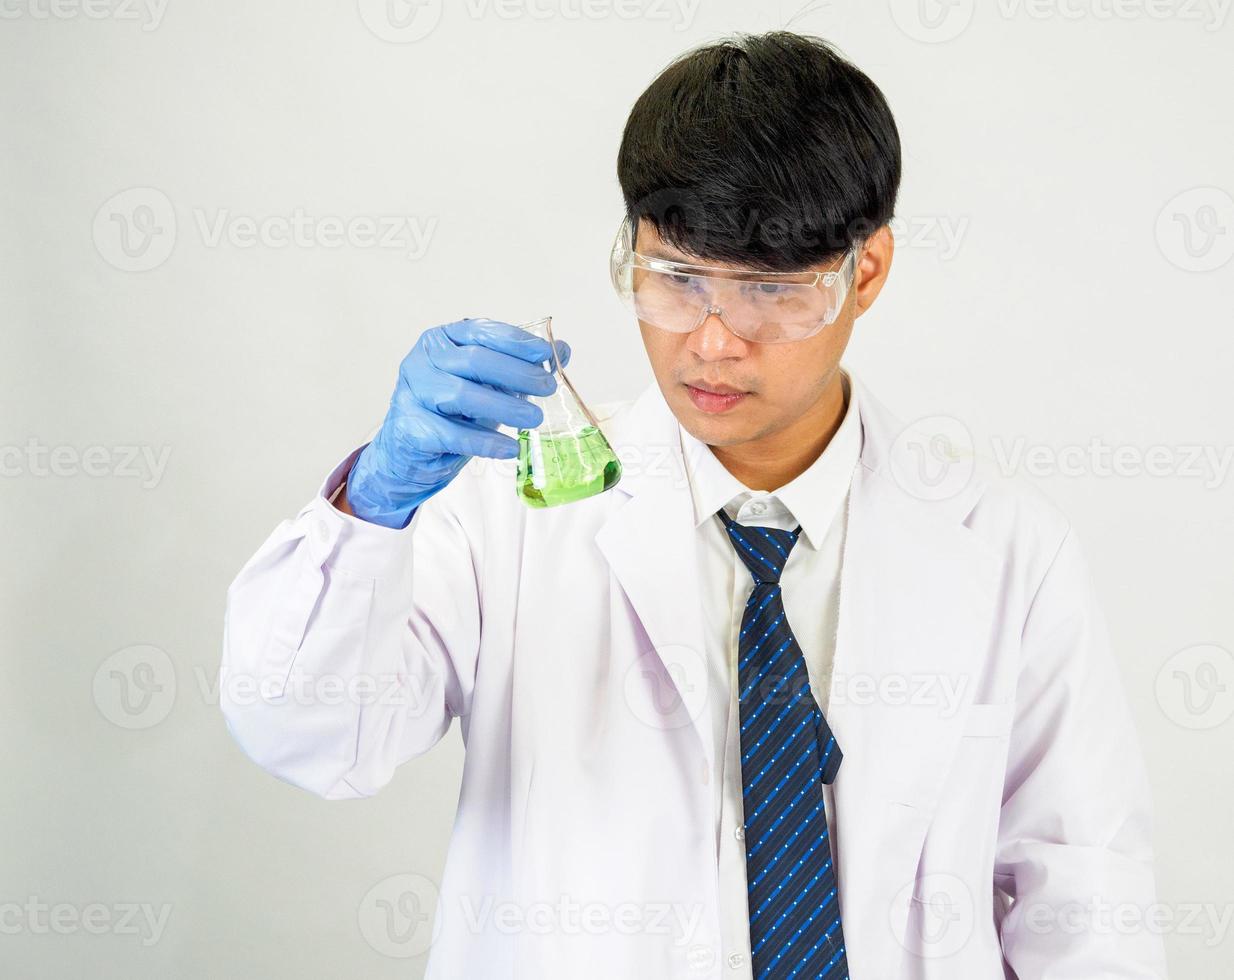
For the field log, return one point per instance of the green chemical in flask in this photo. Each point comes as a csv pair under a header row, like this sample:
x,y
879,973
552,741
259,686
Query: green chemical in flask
x,y
567,457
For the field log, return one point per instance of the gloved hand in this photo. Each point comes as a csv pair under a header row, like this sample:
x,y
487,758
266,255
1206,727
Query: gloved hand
x,y
459,382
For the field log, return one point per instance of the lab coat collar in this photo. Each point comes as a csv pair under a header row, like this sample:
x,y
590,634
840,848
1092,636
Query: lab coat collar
x,y
917,600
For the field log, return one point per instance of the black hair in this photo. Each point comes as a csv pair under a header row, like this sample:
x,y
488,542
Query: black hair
x,y
769,150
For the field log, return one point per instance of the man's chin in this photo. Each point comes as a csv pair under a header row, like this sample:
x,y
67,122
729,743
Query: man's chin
x,y
714,430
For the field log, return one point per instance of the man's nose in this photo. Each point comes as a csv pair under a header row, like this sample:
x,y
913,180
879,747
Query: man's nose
x,y
711,340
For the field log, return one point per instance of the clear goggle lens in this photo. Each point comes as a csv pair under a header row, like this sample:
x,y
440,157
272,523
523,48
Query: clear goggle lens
x,y
759,306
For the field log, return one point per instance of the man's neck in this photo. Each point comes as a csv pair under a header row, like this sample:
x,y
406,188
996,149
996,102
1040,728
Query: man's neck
x,y
771,462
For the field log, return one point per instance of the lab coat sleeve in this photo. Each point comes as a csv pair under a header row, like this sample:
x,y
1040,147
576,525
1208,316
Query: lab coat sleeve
x,y
349,647
1074,848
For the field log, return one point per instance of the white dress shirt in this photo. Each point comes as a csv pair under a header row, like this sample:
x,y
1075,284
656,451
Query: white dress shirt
x,y
817,500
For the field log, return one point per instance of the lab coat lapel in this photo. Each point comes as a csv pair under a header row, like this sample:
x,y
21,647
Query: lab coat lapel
x,y
918,592
648,541
917,599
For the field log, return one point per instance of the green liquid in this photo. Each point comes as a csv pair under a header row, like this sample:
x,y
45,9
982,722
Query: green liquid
x,y
574,467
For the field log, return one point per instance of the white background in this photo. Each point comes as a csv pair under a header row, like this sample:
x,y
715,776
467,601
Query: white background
x,y
1060,285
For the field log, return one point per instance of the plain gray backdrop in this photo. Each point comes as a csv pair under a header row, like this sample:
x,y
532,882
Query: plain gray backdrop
x,y
225,223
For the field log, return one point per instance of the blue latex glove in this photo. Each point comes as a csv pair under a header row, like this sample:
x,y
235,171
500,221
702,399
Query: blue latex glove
x,y
459,382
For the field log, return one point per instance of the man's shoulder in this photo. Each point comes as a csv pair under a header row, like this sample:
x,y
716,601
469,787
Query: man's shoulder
x,y
938,460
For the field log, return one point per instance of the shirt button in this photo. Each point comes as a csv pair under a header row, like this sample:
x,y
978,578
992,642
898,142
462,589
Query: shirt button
x,y
323,532
758,507
739,833
737,961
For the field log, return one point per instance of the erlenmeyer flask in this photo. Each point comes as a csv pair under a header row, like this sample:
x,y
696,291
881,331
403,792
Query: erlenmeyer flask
x,y
567,457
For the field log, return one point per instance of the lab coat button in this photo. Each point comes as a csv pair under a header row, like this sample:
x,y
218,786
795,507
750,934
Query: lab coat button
x,y
737,961
323,532
739,833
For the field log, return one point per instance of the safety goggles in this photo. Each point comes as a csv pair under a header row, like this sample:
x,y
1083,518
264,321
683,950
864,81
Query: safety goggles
x,y
765,307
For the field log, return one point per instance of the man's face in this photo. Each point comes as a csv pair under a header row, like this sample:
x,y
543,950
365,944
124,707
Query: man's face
x,y
780,382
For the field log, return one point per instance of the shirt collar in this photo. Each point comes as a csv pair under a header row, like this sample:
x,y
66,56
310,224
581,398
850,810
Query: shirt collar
x,y
813,498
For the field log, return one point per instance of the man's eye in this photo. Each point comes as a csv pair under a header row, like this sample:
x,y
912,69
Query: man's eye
x,y
770,288
680,280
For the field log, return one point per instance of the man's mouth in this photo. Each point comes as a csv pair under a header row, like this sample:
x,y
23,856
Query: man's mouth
x,y
714,398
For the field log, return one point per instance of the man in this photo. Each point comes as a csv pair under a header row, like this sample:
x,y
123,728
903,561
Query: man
x,y
772,706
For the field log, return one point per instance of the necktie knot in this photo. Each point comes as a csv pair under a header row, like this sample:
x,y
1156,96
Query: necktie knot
x,y
764,550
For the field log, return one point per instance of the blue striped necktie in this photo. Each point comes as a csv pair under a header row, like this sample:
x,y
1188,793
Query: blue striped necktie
x,y
787,753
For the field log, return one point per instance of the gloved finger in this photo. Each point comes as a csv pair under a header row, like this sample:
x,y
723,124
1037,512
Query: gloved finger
x,y
486,366
448,394
423,437
499,336
468,438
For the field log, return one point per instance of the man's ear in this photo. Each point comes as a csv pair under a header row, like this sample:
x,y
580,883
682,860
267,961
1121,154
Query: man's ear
x,y
873,267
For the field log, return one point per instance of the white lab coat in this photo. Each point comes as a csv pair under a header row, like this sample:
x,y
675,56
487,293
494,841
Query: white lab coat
x,y
974,830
